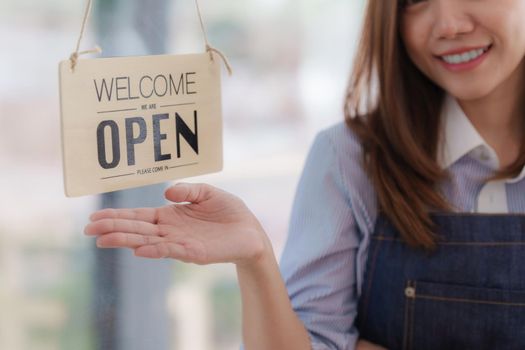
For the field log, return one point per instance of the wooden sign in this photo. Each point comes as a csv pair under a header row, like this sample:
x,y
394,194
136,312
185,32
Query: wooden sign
x,y
134,121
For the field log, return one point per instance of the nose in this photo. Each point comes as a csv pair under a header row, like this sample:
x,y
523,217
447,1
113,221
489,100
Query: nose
x,y
451,19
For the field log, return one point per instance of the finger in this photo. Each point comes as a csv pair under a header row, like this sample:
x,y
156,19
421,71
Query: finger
x,y
104,226
187,192
141,214
126,240
162,250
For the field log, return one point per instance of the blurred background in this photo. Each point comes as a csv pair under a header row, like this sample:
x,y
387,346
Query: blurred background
x,y
291,60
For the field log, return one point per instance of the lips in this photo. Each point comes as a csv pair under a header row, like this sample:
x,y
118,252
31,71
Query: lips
x,y
463,50
463,55
464,59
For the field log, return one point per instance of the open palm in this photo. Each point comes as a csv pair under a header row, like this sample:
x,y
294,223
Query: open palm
x,y
204,225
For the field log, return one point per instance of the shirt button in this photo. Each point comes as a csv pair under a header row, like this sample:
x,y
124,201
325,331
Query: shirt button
x,y
484,156
410,292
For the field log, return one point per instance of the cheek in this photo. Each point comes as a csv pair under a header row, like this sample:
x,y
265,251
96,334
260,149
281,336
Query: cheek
x,y
505,19
517,35
413,39
509,32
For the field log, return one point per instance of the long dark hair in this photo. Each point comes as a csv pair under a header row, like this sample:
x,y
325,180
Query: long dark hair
x,y
394,109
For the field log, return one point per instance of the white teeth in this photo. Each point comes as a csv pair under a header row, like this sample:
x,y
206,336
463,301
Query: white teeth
x,y
465,57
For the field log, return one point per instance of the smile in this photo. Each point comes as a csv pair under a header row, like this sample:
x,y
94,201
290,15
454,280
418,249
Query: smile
x,y
464,57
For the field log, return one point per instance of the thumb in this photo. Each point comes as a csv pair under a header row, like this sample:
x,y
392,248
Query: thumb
x,y
188,192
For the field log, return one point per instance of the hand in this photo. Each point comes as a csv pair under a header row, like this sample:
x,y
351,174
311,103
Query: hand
x,y
365,345
205,225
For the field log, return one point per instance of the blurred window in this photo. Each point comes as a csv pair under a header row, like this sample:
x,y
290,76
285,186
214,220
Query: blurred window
x,y
291,61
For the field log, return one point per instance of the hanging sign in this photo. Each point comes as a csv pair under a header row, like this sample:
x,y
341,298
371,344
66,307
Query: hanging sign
x,y
134,121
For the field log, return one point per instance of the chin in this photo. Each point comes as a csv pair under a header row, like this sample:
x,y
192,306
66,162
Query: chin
x,y
470,92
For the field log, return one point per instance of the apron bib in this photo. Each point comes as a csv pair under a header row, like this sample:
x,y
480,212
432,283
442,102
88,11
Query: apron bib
x,y
467,294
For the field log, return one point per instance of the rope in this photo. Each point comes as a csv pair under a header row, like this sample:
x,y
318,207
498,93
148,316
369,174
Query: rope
x,y
210,48
74,56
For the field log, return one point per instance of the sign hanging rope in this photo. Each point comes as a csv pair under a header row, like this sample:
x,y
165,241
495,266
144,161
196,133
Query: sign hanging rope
x,y
209,48
73,58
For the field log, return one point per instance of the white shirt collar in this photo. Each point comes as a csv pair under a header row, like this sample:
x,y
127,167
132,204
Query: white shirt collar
x,y
459,138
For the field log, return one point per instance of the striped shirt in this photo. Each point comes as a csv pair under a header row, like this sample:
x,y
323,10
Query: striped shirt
x,y
335,209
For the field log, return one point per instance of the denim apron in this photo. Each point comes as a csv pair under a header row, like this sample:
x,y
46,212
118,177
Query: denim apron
x,y
467,294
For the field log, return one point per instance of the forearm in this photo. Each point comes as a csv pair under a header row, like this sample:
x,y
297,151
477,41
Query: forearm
x,y
268,320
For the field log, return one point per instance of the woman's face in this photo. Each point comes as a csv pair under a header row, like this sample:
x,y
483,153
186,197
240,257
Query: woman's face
x,y
468,47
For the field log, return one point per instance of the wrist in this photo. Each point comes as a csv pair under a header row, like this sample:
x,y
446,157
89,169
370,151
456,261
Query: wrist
x,y
261,258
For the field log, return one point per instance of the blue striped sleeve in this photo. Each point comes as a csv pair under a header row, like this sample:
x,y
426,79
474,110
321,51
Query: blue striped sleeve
x,y
318,264
318,261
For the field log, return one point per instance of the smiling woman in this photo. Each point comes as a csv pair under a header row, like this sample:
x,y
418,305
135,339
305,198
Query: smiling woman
x,y
407,225
458,66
